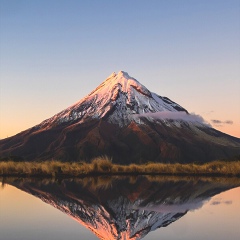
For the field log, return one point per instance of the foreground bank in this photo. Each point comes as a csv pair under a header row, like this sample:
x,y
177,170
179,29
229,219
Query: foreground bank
x,y
104,166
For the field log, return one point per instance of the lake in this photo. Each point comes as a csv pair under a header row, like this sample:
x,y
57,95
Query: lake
x,y
141,207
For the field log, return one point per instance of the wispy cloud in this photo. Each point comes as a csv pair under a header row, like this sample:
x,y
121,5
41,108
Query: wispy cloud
x,y
217,202
219,122
215,121
174,116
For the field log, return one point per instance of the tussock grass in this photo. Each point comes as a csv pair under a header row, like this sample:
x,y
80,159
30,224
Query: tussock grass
x,y
104,166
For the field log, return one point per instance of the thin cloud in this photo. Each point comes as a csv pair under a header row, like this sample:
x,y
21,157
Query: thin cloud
x,y
219,122
228,122
217,202
215,121
174,116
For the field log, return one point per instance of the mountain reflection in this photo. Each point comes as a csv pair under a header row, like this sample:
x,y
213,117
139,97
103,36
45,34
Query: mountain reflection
x,y
125,207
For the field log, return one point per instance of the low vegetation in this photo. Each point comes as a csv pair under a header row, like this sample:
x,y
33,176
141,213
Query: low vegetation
x,y
104,166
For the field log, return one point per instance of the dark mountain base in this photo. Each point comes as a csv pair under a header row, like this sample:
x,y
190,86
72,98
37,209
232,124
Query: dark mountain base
x,y
135,143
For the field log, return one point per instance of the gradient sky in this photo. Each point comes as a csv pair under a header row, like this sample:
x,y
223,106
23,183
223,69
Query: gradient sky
x,y
54,52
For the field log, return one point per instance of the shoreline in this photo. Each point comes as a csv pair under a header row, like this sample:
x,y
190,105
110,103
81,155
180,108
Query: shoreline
x,y
103,166
68,176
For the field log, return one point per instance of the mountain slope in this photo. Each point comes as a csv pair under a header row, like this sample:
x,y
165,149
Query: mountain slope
x,y
123,119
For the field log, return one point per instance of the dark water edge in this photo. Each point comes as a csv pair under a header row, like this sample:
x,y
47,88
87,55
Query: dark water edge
x,y
70,176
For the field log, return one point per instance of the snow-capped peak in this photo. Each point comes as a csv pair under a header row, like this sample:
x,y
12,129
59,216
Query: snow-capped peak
x,y
117,99
119,82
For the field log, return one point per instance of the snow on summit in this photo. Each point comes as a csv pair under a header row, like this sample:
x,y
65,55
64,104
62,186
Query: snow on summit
x,y
118,99
121,81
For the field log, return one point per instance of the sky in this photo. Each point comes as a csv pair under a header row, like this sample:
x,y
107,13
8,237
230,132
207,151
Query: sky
x,y
54,52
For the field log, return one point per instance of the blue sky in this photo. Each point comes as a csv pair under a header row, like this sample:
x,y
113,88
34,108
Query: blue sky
x,y
53,53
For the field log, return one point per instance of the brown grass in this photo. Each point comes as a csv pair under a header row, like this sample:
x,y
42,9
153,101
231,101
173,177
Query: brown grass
x,y
104,166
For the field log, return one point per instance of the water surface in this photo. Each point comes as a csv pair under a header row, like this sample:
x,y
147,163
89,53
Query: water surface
x,y
120,208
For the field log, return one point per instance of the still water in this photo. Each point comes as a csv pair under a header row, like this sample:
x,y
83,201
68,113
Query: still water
x,y
120,208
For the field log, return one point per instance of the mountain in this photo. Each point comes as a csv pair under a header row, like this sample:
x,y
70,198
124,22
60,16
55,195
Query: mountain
x,y
118,99
121,118
125,208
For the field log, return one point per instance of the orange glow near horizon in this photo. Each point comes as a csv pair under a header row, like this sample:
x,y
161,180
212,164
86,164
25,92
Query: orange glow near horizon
x,y
232,130
12,126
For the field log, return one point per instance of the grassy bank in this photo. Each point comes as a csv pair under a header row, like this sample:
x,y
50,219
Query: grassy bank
x,y
104,166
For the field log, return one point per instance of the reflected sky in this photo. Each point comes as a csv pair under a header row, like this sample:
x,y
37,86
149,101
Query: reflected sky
x,y
25,217
212,221
120,208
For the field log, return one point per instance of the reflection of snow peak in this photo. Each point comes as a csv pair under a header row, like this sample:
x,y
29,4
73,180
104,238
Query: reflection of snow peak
x,y
174,116
119,208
